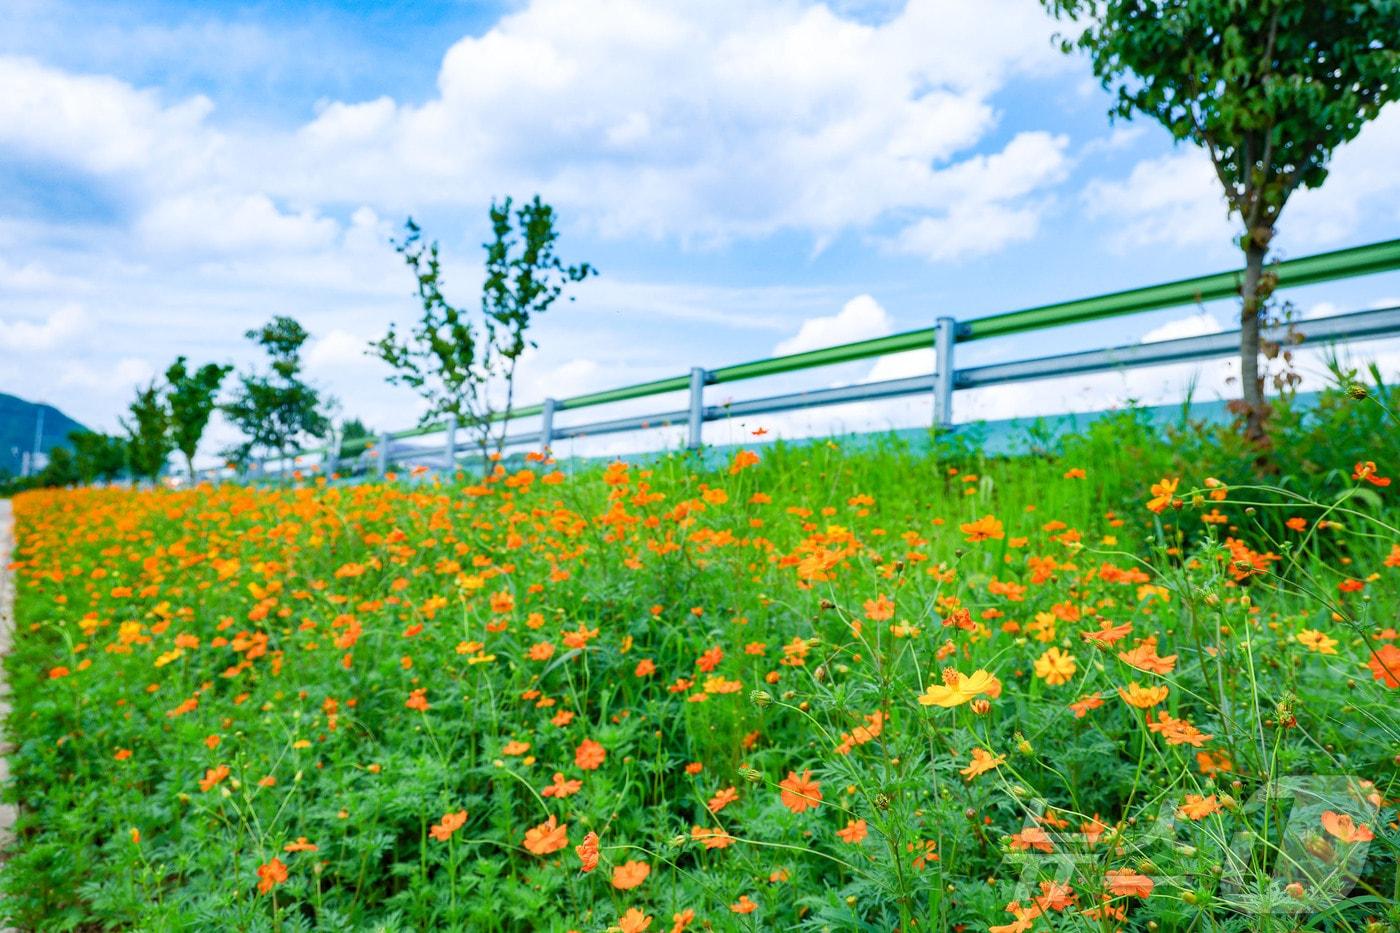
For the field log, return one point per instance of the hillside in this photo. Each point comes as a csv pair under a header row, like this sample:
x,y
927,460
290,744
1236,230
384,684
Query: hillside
x,y
18,419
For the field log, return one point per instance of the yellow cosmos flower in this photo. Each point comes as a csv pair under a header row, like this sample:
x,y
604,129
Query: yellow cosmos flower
x,y
957,689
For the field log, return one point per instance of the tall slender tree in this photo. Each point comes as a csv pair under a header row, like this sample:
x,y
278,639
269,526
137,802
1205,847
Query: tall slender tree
x,y
463,364
191,396
148,443
1268,88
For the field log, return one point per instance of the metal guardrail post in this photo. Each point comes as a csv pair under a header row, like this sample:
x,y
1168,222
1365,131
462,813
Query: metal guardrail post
x,y
944,334
547,424
382,454
331,461
449,452
694,434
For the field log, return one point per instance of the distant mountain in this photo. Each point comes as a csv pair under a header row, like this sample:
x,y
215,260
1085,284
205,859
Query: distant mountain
x,y
18,419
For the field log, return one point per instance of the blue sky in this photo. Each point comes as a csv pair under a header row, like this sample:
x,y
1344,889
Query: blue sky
x,y
749,176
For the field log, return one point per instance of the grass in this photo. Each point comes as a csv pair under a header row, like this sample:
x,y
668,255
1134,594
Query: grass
x,y
830,686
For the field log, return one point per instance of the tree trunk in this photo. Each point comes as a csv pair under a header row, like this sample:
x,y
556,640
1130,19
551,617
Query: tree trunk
x,y
1252,404
189,465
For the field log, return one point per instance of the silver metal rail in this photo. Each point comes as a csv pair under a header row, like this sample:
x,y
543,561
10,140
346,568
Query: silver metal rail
x,y
942,383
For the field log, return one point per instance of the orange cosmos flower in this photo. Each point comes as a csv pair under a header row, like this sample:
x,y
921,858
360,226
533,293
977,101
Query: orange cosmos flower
x,y
634,921
1344,828
589,755
1385,665
982,762
722,799
629,875
546,838
1085,703
451,822
301,845
1162,494
418,700
854,832
680,921
1367,471
1213,764
744,906
213,776
562,788
1143,697
588,853
1177,731
270,875
711,838
1125,882
742,459
1144,657
1197,807
800,793
1032,837
879,608
645,668
988,527
1108,634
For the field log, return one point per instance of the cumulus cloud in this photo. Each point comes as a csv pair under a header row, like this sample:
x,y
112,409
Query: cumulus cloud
x,y
772,116
861,318
59,328
1195,325
1176,199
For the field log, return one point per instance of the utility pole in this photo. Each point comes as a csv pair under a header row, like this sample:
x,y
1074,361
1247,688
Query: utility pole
x,y
38,439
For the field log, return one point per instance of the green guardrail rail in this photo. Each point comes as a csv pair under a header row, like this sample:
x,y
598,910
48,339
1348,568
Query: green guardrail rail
x,y
1305,270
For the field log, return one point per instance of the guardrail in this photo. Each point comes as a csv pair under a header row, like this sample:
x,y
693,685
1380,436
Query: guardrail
x,y
946,379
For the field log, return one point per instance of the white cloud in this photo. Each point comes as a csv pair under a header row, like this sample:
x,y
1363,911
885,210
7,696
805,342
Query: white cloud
x,y
861,318
981,191
1195,325
337,349
62,326
771,117
231,224
1172,200
101,125
1176,199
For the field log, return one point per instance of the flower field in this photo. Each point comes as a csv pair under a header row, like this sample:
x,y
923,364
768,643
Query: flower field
x,y
811,687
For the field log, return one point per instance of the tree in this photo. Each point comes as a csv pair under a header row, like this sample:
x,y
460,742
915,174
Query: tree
x,y
464,365
61,470
97,456
1269,88
276,409
148,444
353,438
191,400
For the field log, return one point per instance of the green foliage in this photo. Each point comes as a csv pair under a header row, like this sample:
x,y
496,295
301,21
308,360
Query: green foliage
x,y
149,442
276,408
1269,88
281,634
458,362
354,437
191,396
98,456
